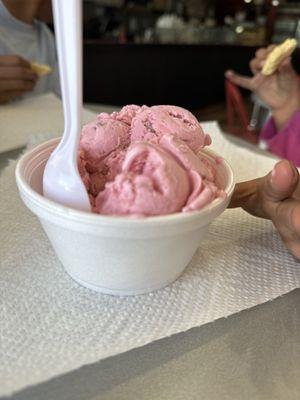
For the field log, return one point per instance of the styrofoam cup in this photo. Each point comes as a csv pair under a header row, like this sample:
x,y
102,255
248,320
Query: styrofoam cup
x,y
118,255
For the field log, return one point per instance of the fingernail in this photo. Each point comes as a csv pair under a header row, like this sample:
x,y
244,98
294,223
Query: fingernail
x,y
283,174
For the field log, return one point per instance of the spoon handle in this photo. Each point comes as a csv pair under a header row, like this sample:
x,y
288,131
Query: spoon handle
x,y
68,32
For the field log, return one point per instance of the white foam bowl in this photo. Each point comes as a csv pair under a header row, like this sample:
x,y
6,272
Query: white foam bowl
x,y
118,255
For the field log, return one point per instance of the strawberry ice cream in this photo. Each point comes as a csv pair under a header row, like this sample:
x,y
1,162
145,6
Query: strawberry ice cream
x,y
146,161
101,137
152,123
151,182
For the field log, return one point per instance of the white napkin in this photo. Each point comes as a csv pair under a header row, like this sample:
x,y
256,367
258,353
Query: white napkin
x,y
39,114
50,325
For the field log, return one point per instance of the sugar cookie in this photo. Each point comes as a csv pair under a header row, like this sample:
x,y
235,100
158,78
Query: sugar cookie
x,y
279,53
40,69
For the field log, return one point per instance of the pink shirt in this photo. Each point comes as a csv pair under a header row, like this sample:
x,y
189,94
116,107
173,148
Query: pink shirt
x,y
286,142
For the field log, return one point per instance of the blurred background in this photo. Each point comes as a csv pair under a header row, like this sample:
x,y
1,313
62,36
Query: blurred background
x,y
176,51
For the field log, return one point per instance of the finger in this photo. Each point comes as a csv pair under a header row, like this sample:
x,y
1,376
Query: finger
x,y
290,231
296,193
14,60
296,218
242,192
16,85
286,62
6,97
283,217
260,58
256,65
245,195
276,197
284,178
286,67
243,81
287,221
13,72
280,207
280,183
261,53
270,48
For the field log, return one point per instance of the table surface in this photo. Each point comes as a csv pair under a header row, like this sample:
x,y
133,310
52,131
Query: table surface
x,y
254,354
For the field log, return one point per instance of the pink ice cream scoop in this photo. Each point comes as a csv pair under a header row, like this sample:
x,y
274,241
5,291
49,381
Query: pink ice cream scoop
x,y
151,183
107,170
201,172
145,161
127,113
102,147
154,122
100,138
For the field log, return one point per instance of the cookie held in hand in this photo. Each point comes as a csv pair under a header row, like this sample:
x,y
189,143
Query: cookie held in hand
x,y
277,55
40,69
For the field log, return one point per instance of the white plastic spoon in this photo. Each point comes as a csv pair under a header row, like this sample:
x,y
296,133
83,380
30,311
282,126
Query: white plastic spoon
x,y
61,181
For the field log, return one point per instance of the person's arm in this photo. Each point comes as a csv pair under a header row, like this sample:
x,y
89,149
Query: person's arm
x,y
16,78
276,197
280,91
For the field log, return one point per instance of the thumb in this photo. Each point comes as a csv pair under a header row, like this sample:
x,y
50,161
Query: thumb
x,y
280,183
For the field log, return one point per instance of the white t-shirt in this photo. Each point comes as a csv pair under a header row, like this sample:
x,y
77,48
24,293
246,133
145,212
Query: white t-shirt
x,y
32,42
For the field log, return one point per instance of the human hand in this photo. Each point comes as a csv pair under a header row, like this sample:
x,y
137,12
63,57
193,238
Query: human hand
x,y
280,91
16,77
275,196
